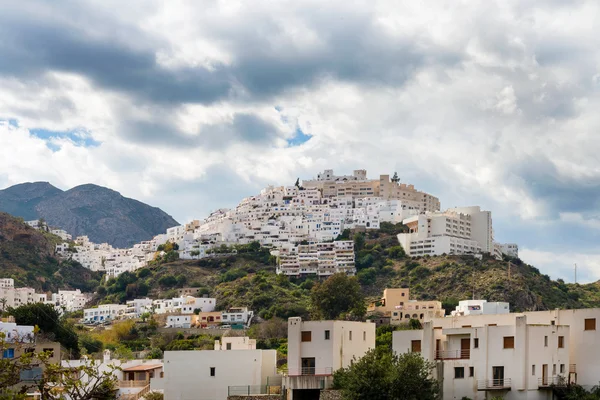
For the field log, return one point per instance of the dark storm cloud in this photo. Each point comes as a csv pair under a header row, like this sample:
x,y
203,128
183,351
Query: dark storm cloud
x,y
354,49
559,193
245,128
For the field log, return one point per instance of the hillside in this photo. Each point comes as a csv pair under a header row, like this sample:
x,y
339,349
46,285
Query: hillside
x,y
249,279
100,213
27,256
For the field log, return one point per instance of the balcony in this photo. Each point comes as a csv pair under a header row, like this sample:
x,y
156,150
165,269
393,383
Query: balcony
x,y
308,371
551,381
464,354
494,384
134,383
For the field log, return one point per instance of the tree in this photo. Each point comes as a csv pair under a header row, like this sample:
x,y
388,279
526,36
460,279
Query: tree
x,y
382,375
47,319
82,382
338,295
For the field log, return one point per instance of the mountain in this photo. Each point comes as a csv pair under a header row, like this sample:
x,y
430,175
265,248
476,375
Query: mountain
x,y
98,212
27,256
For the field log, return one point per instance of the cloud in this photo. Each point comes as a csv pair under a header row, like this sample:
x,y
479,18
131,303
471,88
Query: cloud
x,y
563,265
493,103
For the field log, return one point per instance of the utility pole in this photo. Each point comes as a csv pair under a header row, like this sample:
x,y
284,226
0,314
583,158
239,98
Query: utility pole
x,y
575,272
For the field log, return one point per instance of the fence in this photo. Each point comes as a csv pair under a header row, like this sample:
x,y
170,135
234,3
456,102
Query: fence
x,y
248,390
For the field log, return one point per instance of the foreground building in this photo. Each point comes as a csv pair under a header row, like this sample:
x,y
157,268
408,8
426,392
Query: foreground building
x,y
213,375
316,349
514,356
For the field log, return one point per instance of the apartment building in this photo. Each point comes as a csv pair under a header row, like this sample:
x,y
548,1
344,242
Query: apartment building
x,y
211,375
466,230
70,300
479,307
513,356
10,296
316,349
104,312
184,305
397,305
237,315
321,259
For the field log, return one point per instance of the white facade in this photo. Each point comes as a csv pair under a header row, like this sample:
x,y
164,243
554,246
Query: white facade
x,y
208,374
465,230
517,356
322,259
137,307
70,300
510,249
62,234
235,343
184,305
316,349
179,321
478,307
17,333
104,312
16,297
237,315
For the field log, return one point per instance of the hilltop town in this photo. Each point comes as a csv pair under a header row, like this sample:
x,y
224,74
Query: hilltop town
x,y
320,243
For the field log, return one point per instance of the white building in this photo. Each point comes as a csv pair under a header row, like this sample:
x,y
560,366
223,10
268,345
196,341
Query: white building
x,y
237,315
465,230
510,249
70,300
104,312
184,305
16,297
514,356
316,349
213,375
133,376
478,307
64,235
137,307
17,333
322,259
235,343
179,321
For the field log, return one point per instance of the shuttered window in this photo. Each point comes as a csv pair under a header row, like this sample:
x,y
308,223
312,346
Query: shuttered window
x,y
509,342
590,324
306,336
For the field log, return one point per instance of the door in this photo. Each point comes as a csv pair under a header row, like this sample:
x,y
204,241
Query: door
x,y
498,376
438,345
545,374
308,366
465,348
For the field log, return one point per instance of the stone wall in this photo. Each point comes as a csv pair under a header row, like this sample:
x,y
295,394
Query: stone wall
x,y
330,395
256,397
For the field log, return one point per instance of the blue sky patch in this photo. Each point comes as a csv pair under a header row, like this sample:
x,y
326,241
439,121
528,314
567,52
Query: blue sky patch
x,y
79,138
299,138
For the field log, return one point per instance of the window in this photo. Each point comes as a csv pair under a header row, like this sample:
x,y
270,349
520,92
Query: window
x,y
327,335
415,346
228,346
471,372
306,336
364,336
561,342
590,324
509,342
553,369
49,351
476,343
350,335
459,372
8,353
213,371
533,370
562,368
545,341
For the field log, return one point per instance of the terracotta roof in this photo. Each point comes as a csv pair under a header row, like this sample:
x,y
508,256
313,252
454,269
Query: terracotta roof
x,y
142,367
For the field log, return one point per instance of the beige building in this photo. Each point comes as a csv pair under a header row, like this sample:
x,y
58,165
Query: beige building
x,y
396,305
235,343
322,259
316,349
513,356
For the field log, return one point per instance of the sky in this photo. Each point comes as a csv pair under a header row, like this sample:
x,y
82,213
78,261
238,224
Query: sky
x,y
192,105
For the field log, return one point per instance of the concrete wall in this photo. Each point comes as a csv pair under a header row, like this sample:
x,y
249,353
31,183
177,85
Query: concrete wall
x,y
187,373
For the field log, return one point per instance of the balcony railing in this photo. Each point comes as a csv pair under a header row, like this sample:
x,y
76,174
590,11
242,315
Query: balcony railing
x,y
133,383
494,384
308,371
464,354
550,381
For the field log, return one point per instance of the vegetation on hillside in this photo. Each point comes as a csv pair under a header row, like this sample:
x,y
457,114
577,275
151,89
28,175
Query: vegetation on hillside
x,y
27,256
